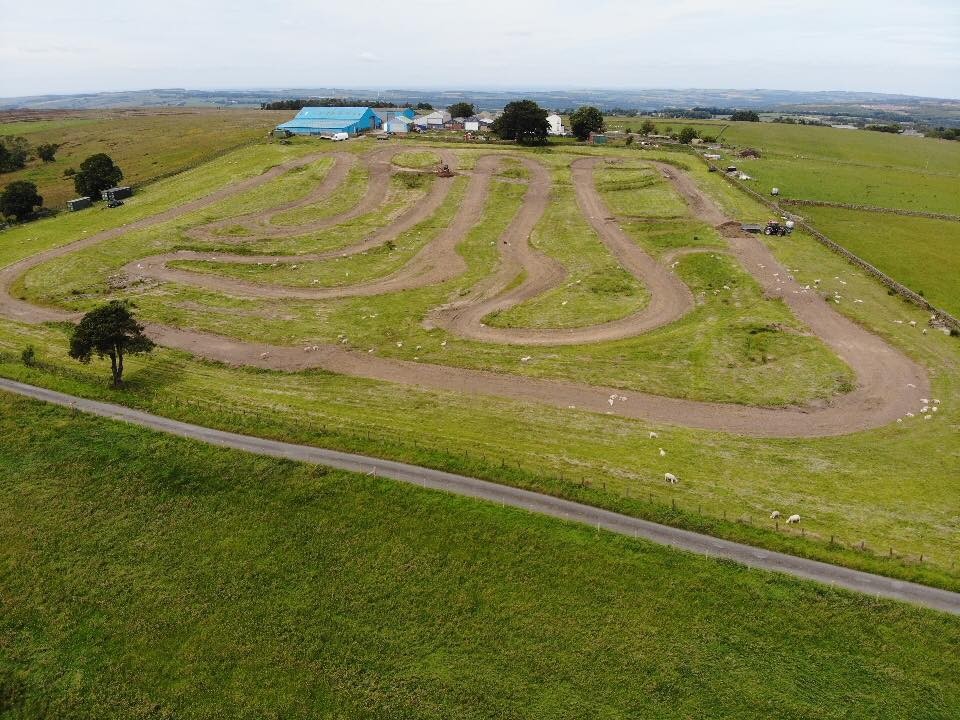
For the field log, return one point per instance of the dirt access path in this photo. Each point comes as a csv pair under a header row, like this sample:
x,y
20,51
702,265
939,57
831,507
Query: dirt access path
x,y
890,384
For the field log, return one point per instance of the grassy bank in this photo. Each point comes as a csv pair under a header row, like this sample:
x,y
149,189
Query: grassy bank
x,y
148,576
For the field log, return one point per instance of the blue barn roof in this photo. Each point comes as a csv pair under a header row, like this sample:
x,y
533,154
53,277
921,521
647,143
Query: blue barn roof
x,y
329,120
332,113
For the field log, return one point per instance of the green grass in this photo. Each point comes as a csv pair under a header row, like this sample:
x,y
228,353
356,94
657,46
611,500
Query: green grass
x,y
596,290
415,160
145,144
345,197
148,576
720,363
919,252
897,486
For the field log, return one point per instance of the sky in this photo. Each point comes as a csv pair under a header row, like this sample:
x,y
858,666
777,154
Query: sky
x,y
896,46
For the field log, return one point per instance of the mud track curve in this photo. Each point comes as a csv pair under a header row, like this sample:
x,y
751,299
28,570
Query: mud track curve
x,y
890,384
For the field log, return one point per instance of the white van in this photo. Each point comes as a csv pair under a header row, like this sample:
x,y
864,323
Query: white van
x,y
337,137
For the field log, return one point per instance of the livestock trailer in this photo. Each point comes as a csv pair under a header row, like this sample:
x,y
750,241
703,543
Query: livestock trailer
x,y
79,203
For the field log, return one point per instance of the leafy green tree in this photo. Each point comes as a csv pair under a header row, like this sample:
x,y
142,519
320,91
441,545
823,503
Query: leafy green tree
x,y
13,153
687,134
112,331
648,127
523,121
461,110
425,106
586,120
745,116
96,173
47,151
19,199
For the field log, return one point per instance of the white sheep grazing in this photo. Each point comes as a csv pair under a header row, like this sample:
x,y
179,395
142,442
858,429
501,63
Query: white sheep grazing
x,y
936,401
663,453
670,478
775,515
793,519
653,435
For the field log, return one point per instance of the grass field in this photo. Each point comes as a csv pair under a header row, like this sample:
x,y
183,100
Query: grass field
x,y
893,487
146,144
919,252
145,576
721,360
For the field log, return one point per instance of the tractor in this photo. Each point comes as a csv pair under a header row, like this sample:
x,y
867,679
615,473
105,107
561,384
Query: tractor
x,y
775,227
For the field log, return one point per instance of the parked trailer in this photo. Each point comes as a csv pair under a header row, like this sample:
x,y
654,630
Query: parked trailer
x,y
79,203
116,193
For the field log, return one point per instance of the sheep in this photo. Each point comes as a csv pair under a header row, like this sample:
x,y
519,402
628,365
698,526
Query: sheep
x,y
775,515
925,401
671,478
936,401
793,519
653,435
663,453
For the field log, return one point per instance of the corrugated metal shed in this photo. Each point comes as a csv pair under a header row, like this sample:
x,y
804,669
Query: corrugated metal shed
x,y
330,120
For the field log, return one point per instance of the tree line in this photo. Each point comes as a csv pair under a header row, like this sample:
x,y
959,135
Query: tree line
x,y
300,103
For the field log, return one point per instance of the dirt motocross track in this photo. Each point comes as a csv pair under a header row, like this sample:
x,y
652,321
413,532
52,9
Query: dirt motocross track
x,y
889,384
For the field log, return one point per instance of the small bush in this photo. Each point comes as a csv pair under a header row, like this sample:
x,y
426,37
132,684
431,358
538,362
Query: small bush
x,y
29,356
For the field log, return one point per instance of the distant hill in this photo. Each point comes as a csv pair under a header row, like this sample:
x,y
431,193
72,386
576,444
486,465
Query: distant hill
x,y
831,102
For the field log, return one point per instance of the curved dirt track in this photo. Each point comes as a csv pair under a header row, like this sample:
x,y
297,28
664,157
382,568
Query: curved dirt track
x,y
670,299
889,383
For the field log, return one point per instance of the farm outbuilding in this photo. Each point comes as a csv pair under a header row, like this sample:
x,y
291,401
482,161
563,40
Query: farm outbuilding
x,y
388,114
398,124
556,125
331,120
434,120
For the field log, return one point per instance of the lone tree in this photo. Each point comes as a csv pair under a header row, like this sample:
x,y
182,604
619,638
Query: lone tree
x,y
745,116
13,153
110,330
96,173
19,199
461,110
586,120
523,121
47,151
687,135
648,127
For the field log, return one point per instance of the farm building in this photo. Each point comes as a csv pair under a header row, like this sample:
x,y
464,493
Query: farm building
x,y
434,120
331,120
388,114
556,125
398,124
471,124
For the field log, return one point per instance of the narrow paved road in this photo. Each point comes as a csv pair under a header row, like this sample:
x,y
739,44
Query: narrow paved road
x,y
876,585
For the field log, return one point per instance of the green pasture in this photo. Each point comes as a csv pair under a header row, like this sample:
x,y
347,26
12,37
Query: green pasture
x,y
146,576
895,487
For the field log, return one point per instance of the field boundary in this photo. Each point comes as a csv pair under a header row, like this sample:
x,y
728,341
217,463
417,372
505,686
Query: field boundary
x,y
855,580
870,208
894,285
